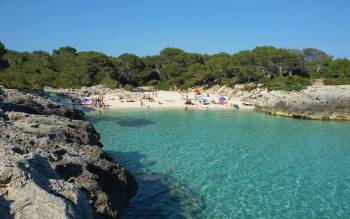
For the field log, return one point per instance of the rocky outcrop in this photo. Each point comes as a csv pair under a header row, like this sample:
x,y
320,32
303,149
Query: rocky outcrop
x,y
12,100
52,164
30,188
316,102
322,102
80,92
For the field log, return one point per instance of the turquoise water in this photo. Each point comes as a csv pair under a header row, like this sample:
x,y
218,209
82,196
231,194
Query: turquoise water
x,y
206,164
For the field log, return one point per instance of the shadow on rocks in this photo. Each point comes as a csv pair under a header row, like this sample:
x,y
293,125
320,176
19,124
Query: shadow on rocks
x,y
5,209
159,195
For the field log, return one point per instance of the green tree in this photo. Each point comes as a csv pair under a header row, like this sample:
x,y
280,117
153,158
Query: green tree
x,y
316,62
340,68
129,66
3,63
171,68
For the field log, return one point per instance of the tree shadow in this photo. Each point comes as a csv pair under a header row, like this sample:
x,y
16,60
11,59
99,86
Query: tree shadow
x,y
159,195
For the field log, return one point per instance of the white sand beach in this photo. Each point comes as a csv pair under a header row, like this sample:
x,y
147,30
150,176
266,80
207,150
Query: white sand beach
x,y
121,99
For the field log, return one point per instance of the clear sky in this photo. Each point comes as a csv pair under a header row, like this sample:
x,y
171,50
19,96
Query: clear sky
x,y
144,27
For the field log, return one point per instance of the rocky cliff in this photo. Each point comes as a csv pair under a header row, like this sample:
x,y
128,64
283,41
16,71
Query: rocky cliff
x,y
52,164
316,102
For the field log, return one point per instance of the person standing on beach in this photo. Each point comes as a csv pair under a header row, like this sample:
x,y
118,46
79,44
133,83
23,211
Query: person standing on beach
x,y
102,102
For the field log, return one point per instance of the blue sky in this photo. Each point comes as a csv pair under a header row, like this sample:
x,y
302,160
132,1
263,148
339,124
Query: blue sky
x,y
144,27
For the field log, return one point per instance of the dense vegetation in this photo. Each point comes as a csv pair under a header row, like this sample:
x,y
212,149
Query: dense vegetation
x,y
276,68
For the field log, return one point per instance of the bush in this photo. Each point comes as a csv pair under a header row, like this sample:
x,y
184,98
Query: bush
x,y
128,87
250,87
289,83
186,85
164,85
110,83
229,82
337,81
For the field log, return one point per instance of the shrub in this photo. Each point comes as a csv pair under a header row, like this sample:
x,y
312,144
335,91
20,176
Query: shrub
x,y
164,85
128,87
337,81
186,85
289,83
110,83
250,87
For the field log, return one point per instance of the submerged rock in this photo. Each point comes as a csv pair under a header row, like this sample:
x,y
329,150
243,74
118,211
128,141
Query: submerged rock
x,y
52,164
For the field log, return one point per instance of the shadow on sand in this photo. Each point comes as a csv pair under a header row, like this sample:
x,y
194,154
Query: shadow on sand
x,y
159,195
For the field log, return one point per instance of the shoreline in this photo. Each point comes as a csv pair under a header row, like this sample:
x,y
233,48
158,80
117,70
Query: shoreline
x,y
317,102
158,109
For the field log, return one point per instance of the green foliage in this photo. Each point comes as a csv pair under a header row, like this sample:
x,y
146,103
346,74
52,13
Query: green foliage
x,y
339,68
250,87
65,50
110,83
172,69
288,83
337,81
128,87
2,50
3,63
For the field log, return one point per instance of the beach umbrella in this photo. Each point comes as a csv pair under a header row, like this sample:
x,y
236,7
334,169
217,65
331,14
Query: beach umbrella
x,y
84,99
222,99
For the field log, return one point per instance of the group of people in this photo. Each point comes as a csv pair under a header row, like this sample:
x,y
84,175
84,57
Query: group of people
x,y
99,102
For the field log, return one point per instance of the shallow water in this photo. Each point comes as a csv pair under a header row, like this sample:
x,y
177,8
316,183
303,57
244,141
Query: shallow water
x,y
207,164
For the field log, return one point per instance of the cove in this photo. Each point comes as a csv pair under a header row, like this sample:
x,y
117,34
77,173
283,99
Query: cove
x,y
224,164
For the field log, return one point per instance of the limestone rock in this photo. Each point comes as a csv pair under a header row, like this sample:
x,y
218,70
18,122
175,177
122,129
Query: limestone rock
x,y
315,102
30,188
51,159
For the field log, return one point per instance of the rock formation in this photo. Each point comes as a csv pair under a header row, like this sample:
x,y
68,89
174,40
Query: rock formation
x,y
316,102
52,164
80,92
322,102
